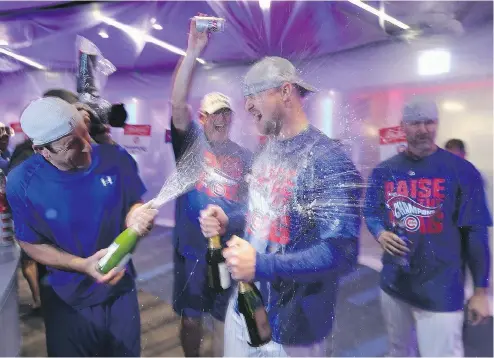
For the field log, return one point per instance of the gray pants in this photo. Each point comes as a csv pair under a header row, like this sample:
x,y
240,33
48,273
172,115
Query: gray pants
x,y
412,330
237,336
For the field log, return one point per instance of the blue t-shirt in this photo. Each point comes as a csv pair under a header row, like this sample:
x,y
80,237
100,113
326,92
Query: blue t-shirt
x,y
77,212
218,171
304,222
434,197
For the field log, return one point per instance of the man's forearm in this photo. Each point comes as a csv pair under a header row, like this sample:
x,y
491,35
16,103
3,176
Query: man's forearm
x,y
478,254
181,83
183,76
50,256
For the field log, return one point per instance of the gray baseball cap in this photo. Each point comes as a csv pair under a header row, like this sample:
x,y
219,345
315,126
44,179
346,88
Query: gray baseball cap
x,y
272,72
47,119
418,110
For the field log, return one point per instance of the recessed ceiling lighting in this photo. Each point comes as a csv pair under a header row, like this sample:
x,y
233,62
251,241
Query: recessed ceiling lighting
x,y
434,62
382,15
141,35
453,106
103,34
265,4
23,59
157,27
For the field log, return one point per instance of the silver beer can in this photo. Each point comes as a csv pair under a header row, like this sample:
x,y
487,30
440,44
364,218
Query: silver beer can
x,y
212,24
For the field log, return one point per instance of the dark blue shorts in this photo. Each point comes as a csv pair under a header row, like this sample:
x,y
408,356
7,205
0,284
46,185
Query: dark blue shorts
x,y
192,296
112,329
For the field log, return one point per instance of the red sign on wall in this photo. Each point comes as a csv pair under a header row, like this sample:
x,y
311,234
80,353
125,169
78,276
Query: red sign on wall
x,y
136,138
16,126
392,141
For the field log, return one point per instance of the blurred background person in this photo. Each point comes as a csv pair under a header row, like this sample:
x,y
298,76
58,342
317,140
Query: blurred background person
x,y
5,133
457,147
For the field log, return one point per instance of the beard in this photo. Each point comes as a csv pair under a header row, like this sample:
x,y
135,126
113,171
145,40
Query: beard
x,y
273,125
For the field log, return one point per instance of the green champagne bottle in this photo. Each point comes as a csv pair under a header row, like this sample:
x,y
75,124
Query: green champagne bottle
x,y
251,306
119,252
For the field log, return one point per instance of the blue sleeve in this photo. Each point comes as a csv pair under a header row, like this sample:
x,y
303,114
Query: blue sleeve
x,y
134,188
473,220
333,193
374,205
28,227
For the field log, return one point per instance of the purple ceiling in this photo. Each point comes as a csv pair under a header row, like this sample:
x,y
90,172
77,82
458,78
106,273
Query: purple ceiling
x,y
45,31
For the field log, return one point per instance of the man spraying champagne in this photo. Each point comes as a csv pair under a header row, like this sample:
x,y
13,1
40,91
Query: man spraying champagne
x,y
69,201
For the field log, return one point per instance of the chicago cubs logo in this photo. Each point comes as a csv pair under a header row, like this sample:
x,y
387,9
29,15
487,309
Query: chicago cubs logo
x,y
409,211
219,189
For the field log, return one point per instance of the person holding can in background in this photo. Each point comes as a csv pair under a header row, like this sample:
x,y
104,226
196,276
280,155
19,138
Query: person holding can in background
x,y
439,198
221,182
5,133
69,201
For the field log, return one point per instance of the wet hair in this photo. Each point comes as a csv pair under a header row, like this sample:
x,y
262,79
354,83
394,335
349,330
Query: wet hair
x,y
67,96
455,144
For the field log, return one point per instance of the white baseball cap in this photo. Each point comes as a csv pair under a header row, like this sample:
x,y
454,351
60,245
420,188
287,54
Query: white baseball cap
x,y
215,101
47,119
272,72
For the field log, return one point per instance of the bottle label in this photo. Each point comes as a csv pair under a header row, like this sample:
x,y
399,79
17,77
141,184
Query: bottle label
x,y
124,262
225,280
262,323
111,250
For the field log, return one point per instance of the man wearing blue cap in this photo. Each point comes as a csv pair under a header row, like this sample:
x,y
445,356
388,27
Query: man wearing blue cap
x,y
69,201
427,209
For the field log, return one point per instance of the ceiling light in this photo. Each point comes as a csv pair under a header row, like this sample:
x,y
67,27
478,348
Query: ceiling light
x,y
434,62
453,106
3,43
23,59
381,14
103,34
265,4
137,34
153,20
157,27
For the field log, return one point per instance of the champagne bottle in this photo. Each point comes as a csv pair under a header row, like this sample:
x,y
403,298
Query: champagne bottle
x,y
119,252
251,306
218,275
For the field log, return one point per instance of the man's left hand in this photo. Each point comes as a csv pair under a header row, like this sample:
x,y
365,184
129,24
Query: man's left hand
x,y
478,308
240,258
141,218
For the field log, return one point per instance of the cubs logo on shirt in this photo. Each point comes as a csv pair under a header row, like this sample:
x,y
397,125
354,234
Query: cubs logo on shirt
x,y
417,203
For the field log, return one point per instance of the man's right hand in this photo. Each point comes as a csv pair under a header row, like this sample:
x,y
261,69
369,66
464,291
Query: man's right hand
x,y
89,268
213,221
392,244
197,40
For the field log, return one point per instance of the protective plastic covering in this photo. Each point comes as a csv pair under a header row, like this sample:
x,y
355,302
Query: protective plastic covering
x,y
93,71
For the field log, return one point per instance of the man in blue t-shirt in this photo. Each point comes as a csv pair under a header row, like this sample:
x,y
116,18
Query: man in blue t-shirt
x,y
218,167
303,220
69,201
438,199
